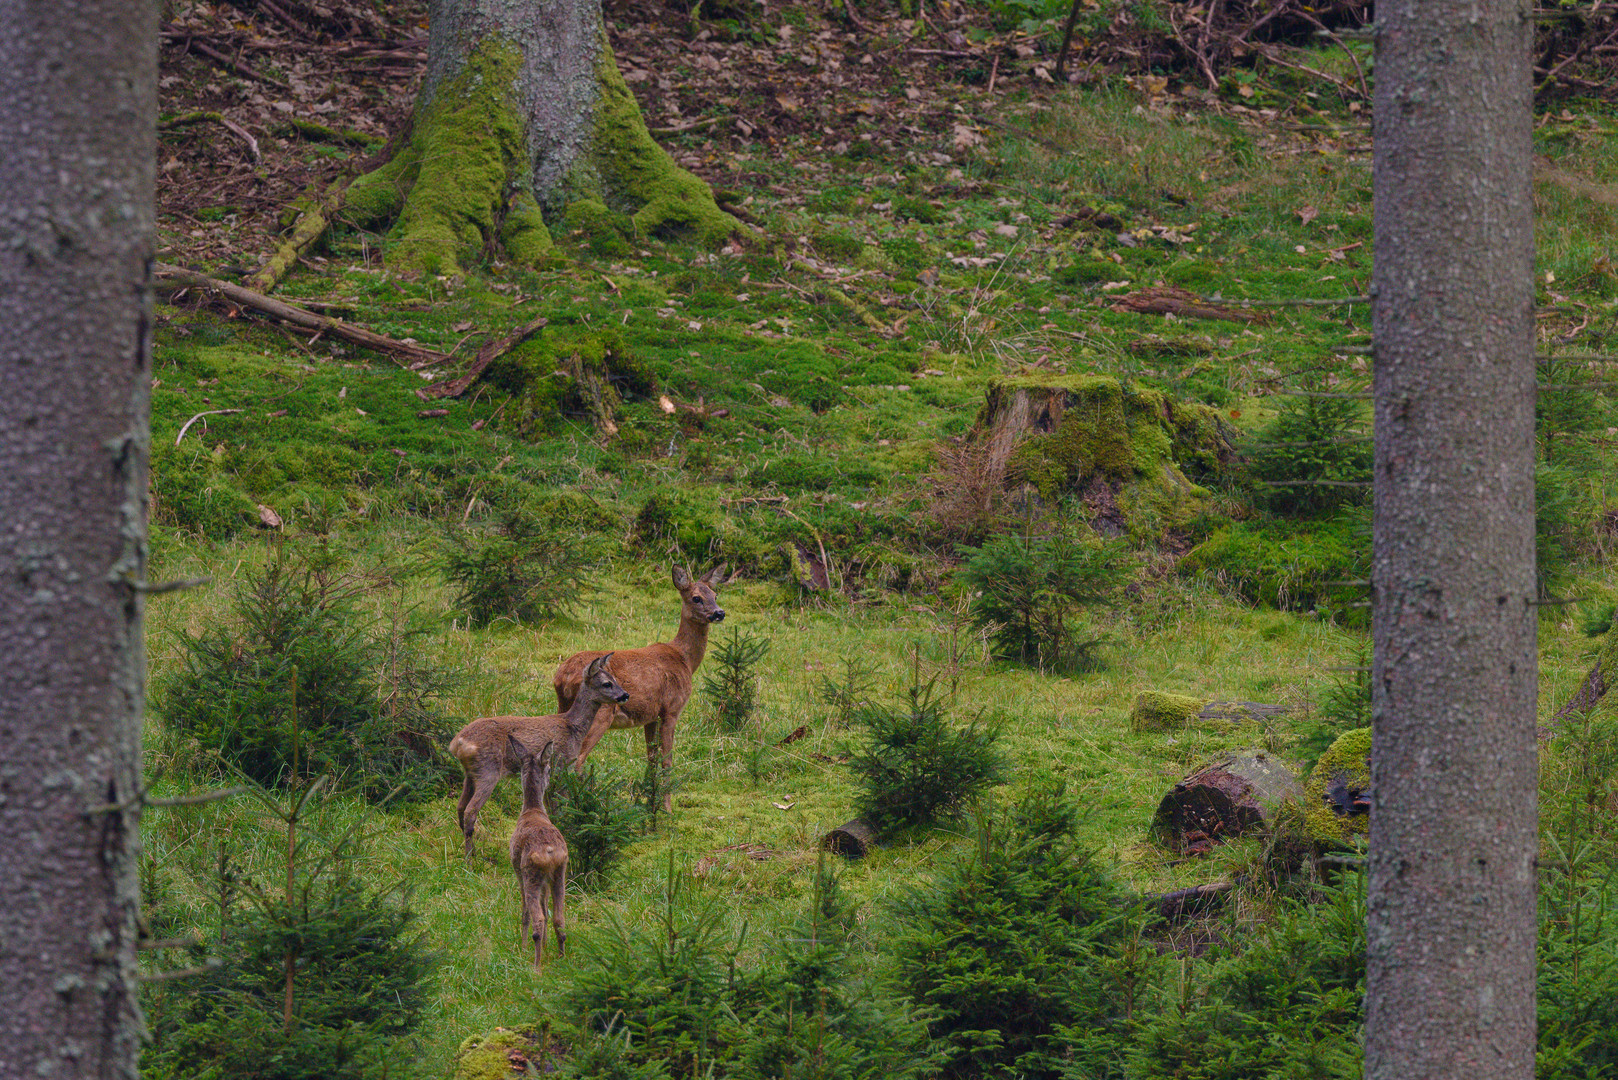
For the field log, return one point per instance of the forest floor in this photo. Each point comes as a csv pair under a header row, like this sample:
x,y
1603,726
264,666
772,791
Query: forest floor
x,y
931,215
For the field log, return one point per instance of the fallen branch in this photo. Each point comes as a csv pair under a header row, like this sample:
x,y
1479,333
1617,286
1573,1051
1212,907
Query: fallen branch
x,y
1169,300
354,335
309,227
217,118
193,45
490,352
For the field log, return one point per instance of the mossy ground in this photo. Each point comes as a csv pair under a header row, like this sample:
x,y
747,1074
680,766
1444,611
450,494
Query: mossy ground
x,y
799,422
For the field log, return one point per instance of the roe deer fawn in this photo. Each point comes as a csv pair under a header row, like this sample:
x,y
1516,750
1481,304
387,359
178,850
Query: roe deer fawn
x,y
481,746
657,677
539,853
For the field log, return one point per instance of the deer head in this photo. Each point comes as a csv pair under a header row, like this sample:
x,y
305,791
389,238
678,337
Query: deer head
x,y
701,601
600,684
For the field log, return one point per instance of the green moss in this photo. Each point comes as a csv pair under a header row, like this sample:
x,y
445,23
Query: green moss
x,y
1347,764
603,229
448,185
190,491
638,176
524,235
571,371
1286,565
1158,711
488,1056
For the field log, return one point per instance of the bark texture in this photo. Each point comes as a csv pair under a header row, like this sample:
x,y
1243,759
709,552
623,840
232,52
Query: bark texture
x,y
79,82
522,114
1451,929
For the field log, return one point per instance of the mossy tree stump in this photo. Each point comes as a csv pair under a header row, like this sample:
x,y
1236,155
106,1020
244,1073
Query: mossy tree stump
x,y
1336,796
1129,452
523,113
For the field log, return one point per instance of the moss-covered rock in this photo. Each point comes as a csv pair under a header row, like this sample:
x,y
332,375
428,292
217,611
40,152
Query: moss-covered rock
x,y
1158,711
1334,796
501,1054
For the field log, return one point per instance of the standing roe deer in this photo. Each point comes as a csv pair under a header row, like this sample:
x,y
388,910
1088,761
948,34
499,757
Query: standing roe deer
x,y
539,853
481,746
658,677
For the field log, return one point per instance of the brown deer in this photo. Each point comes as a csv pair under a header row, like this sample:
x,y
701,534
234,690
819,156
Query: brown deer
x,y
481,746
539,853
658,677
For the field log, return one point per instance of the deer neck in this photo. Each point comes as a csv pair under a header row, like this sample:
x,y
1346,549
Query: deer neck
x,y
692,640
533,791
581,714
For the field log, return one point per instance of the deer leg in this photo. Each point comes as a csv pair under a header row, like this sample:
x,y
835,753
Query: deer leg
x,y
541,924
481,790
559,908
466,797
660,752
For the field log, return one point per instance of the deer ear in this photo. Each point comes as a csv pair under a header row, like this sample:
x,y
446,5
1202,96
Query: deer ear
x,y
595,666
716,577
682,579
517,749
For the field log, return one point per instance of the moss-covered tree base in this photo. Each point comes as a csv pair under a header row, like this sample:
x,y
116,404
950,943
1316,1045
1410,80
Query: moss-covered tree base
x,y
463,184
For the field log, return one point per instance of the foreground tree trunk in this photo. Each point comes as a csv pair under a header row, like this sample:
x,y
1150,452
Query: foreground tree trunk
x,y
1450,947
521,117
78,128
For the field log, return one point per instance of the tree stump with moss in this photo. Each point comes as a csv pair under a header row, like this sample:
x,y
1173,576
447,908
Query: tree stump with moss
x,y
1158,711
1129,453
1223,801
522,114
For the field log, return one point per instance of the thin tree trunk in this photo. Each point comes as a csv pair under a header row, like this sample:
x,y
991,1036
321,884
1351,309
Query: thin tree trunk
x,y
1450,948
78,127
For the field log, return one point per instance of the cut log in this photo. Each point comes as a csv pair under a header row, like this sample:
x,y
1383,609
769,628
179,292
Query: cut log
x,y
1223,801
851,841
1158,711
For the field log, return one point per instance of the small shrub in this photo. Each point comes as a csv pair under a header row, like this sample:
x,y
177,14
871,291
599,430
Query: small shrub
x,y
292,687
1025,954
731,686
1288,1004
349,953
850,692
521,569
599,818
1028,588
916,767
1314,457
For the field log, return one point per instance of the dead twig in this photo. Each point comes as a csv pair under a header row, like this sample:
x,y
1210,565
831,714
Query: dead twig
x,y
211,412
